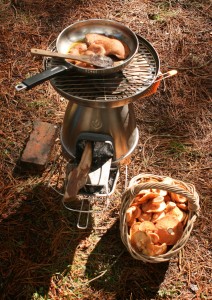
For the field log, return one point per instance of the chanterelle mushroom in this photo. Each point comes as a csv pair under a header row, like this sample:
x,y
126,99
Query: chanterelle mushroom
x,y
178,198
134,228
143,230
145,216
157,216
169,230
170,205
140,240
177,213
132,213
152,206
155,249
183,206
146,197
147,226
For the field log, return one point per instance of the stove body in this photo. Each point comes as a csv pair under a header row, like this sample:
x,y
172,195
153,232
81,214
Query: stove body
x,y
116,125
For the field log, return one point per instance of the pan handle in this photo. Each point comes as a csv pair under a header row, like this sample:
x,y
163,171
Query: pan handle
x,y
41,77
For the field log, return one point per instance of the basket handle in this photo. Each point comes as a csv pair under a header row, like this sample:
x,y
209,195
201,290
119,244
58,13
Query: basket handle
x,y
193,199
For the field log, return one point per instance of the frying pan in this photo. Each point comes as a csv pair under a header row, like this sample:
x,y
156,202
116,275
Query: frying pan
x,y
75,33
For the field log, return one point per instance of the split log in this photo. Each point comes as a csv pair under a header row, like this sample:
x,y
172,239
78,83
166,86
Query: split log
x,y
78,176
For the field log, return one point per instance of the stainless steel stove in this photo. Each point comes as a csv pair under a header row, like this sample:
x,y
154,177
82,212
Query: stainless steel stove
x,y
100,110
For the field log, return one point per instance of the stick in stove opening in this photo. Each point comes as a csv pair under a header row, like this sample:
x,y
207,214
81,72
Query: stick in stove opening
x,y
78,176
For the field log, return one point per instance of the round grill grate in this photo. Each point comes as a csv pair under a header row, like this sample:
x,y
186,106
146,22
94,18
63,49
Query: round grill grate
x,y
117,89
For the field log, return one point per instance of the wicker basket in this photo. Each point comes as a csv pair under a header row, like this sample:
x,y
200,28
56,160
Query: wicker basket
x,y
148,181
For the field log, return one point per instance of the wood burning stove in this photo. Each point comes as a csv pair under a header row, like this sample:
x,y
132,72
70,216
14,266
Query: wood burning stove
x,y
100,110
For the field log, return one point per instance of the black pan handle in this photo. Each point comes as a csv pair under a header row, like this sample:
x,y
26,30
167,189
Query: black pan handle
x,y
41,77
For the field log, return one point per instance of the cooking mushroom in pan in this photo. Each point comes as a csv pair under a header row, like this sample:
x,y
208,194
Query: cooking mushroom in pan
x,y
112,46
101,45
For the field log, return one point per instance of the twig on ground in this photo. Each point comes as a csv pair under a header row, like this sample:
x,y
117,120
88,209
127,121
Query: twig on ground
x,y
105,271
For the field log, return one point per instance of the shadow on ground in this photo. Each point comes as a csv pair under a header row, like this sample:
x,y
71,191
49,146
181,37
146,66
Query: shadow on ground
x,y
120,273
36,242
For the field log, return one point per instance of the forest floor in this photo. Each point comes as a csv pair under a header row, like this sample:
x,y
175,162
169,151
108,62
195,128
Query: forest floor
x,y
43,255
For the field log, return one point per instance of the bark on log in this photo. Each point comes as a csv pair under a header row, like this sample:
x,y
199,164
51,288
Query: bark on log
x,y
78,176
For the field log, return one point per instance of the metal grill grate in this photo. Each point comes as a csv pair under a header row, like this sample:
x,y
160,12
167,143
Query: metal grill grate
x,y
124,86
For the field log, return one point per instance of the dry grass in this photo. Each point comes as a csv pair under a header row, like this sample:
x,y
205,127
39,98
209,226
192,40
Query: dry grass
x,y
43,254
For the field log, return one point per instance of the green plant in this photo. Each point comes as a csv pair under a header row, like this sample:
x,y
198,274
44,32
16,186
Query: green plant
x,y
176,148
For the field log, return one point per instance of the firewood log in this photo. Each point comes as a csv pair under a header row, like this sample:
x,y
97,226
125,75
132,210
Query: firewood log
x,y
78,176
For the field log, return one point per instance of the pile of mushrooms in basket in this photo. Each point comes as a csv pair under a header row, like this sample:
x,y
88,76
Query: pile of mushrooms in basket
x,y
157,215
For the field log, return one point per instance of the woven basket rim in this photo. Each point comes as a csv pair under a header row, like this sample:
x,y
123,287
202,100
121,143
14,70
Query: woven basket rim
x,y
127,199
